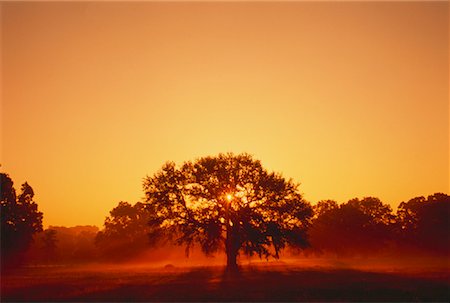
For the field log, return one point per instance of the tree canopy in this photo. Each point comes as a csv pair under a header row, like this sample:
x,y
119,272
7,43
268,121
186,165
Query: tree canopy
x,y
423,223
227,202
356,227
125,233
20,220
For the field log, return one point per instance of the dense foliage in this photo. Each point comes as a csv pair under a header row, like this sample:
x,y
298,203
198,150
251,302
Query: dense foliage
x,y
369,227
125,232
228,202
20,220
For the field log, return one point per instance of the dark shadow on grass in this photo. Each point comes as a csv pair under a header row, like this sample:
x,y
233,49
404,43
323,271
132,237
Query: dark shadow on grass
x,y
249,284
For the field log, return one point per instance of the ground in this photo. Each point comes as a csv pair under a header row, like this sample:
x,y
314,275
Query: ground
x,y
258,282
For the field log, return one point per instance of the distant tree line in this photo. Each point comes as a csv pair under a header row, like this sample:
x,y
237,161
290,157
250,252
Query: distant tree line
x,y
227,203
369,227
64,245
360,227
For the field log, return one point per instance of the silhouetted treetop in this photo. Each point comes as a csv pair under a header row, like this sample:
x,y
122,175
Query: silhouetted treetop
x,y
424,222
20,220
373,207
356,227
227,201
324,206
125,233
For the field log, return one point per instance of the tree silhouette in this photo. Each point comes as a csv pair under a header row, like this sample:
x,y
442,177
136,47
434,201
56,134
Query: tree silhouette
x,y
356,227
20,220
423,223
227,202
125,233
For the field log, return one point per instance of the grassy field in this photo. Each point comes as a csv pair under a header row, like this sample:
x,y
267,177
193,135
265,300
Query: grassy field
x,y
269,282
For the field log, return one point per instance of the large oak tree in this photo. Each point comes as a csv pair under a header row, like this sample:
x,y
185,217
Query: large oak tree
x,y
227,202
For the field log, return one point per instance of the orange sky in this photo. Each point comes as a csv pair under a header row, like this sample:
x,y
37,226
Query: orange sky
x,y
350,99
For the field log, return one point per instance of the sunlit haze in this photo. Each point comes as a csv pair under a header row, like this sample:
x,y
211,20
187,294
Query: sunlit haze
x,y
349,99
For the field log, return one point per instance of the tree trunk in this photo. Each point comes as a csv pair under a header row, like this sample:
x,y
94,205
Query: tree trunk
x,y
231,249
231,259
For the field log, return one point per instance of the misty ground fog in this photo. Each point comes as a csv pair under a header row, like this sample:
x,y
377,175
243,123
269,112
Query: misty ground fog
x,y
198,279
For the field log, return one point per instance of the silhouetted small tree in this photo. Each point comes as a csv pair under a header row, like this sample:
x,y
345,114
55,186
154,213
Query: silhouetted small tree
x,y
125,233
20,220
227,202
